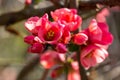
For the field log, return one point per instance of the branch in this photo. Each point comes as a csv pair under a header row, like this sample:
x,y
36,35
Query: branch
x,y
45,73
28,68
57,3
35,10
87,5
13,17
73,4
81,68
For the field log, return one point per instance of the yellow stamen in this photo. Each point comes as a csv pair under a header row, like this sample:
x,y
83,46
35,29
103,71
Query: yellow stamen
x,y
50,35
89,55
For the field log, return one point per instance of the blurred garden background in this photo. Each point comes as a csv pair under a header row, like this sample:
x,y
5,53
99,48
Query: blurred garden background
x,y
17,64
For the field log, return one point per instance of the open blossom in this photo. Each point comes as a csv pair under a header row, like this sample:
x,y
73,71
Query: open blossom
x,y
68,17
54,39
99,33
50,32
92,55
33,24
66,36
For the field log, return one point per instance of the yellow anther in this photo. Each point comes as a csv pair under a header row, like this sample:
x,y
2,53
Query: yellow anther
x,y
89,55
50,33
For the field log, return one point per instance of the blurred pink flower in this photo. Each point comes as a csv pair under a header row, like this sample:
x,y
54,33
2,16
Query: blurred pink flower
x,y
92,55
101,16
50,58
57,71
28,2
73,73
68,17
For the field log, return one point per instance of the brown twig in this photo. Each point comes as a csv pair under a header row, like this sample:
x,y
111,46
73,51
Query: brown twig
x,y
45,73
57,3
13,17
28,68
88,5
81,69
73,4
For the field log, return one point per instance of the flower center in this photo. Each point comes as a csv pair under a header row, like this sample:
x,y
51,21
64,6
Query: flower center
x,y
50,35
89,55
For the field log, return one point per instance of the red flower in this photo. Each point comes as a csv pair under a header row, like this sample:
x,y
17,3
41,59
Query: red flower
x,y
33,24
73,73
29,39
66,36
61,48
57,71
101,16
28,2
36,48
51,58
99,33
50,32
80,38
92,55
68,17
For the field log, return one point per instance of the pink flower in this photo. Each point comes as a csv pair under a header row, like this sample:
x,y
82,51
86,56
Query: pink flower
x,y
99,33
28,2
51,58
31,39
50,32
36,48
80,38
74,75
68,17
57,71
61,48
101,16
92,55
33,24
66,36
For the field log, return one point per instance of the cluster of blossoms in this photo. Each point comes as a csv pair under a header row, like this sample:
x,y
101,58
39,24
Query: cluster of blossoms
x,y
58,42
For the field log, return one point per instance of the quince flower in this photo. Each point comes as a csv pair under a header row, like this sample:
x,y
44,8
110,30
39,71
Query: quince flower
x,y
68,17
92,55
